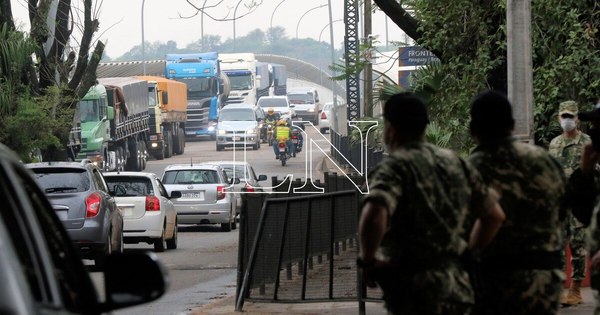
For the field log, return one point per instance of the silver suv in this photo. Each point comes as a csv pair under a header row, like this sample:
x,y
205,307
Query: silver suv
x,y
238,125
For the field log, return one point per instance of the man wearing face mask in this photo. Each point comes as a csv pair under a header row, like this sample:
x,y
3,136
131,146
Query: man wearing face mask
x,y
567,149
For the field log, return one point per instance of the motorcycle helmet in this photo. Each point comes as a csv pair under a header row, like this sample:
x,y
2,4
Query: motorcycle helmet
x,y
271,111
282,122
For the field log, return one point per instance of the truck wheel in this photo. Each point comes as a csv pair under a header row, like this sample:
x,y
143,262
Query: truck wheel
x,y
168,144
182,139
176,143
160,155
133,161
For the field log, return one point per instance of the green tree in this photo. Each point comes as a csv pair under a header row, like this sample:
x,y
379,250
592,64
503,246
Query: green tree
x,y
63,70
469,37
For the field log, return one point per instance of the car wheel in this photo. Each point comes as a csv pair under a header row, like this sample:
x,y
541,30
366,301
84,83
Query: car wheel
x,y
323,130
226,227
121,244
100,258
159,244
172,243
234,224
219,148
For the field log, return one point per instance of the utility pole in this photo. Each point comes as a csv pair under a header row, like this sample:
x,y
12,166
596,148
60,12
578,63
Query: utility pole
x,y
368,72
520,70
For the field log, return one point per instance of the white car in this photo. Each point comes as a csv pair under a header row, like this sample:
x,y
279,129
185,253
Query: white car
x,y
324,117
148,214
204,199
280,105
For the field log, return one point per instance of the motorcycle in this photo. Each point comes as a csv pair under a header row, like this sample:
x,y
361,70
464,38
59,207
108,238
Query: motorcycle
x,y
283,154
269,133
296,141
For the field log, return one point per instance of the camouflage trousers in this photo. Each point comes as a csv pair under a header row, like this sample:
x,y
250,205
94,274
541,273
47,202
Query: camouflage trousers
x,y
519,292
575,233
430,292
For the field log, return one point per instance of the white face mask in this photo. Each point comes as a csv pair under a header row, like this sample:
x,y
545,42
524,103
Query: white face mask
x,y
567,124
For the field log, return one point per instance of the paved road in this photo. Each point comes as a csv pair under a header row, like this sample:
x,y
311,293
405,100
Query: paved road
x,y
203,267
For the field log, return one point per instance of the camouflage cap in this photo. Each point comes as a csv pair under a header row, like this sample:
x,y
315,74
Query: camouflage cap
x,y
568,107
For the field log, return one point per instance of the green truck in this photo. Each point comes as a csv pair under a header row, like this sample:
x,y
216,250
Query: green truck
x,y
113,119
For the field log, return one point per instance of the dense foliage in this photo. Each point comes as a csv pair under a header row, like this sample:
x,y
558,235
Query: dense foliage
x,y
470,39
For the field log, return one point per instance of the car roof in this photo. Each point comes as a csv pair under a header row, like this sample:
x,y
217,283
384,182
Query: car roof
x,y
273,96
226,163
78,165
300,90
130,174
241,105
197,166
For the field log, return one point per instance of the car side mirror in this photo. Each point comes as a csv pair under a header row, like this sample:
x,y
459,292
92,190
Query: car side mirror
x,y
118,190
175,194
262,178
292,105
234,181
132,279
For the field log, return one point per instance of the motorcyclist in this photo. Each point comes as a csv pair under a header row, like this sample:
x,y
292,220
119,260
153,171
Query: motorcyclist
x,y
270,118
282,133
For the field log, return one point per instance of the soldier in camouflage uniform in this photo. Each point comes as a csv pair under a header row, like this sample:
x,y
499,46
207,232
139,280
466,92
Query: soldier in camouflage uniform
x,y
566,149
415,212
520,269
584,186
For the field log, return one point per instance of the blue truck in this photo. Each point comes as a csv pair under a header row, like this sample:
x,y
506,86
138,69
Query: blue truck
x,y
207,89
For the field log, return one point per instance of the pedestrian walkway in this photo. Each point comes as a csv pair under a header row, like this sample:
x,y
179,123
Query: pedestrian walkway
x,y
586,308
226,306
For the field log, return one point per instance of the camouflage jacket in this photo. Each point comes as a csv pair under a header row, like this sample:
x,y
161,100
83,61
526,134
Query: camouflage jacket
x,y
568,151
531,185
429,192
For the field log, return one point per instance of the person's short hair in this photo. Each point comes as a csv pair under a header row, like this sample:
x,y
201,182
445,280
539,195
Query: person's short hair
x,y
406,113
491,115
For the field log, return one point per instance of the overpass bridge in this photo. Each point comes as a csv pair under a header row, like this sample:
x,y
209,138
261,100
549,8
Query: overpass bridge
x,y
297,69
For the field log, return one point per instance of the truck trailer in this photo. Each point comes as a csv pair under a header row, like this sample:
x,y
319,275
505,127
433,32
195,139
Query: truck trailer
x,y
114,120
167,105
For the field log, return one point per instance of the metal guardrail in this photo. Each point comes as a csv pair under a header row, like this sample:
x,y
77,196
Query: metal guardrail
x,y
301,249
352,153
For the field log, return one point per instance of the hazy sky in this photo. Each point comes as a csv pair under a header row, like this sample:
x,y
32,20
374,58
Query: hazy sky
x,y
120,21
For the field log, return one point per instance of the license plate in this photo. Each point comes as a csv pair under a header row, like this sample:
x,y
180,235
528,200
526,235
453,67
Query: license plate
x,y
236,138
197,195
295,141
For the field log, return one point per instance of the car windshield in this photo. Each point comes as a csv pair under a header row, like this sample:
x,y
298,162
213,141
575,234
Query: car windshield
x,y
272,102
235,171
62,180
188,177
236,114
134,186
305,98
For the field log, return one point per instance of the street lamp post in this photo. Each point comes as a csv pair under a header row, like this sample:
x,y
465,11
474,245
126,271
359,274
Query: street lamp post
x,y
325,27
202,26
333,83
273,14
298,24
143,41
234,18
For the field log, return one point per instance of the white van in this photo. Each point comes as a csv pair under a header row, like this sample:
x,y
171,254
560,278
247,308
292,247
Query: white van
x,y
306,101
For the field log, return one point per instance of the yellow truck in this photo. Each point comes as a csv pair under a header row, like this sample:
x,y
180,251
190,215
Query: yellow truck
x,y
167,105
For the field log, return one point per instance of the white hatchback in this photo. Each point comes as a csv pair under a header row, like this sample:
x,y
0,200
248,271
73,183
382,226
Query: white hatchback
x,y
148,214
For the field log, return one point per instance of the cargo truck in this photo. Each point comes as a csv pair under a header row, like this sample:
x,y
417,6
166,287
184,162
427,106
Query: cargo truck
x,y
114,120
279,77
167,104
207,89
241,70
262,82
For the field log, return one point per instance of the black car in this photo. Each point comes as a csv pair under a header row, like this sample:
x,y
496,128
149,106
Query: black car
x,y
81,199
41,272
